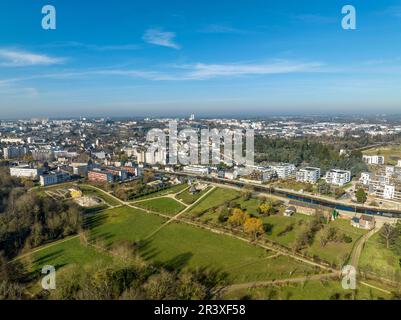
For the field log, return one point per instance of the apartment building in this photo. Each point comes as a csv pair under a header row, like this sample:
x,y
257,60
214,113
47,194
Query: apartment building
x,y
98,175
338,177
308,175
54,178
285,170
263,173
14,152
26,171
377,160
43,155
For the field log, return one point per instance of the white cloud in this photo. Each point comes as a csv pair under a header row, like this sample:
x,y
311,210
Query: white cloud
x,y
16,58
96,47
207,71
160,38
219,28
188,72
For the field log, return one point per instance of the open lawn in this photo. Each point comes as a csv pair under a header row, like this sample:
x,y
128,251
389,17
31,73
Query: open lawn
x,y
166,206
190,198
176,246
336,252
390,153
277,224
215,198
170,190
378,259
309,290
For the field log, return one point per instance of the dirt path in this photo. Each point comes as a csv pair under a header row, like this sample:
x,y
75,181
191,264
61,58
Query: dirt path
x,y
179,214
257,284
357,250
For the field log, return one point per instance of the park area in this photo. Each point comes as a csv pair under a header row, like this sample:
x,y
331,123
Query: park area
x,y
198,240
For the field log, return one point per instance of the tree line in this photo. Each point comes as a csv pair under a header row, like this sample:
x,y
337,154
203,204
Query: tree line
x,y
307,152
28,220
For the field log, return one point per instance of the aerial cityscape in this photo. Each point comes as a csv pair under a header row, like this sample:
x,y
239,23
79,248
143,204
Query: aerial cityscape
x,y
186,155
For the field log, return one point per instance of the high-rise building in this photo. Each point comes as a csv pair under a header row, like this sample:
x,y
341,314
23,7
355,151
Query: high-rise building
x,y
14,152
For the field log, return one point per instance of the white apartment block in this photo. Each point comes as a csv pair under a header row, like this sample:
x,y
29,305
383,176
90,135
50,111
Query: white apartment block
x,y
366,178
380,186
379,160
338,177
389,192
308,175
399,163
12,140
285,170
199,170
26,172
53,178
390,170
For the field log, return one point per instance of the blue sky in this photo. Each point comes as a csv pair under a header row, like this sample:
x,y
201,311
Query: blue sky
x,y
176,57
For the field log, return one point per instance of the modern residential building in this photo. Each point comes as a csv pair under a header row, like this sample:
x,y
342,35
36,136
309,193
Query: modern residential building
x,y
263,174
366,178
285,170
378,160
54,178
338,177
26,171
308,175
399,163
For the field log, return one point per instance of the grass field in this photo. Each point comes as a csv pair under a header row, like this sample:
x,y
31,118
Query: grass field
x,y
309,290
65,253
190,198
336,252
177,246
166,206
378,259
215,198
391,153
170,190
277,224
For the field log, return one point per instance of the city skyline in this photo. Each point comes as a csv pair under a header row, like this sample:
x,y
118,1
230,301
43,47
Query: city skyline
x,y
177,58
